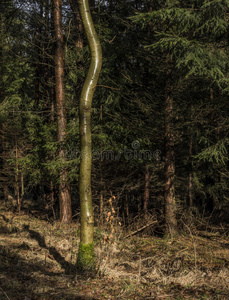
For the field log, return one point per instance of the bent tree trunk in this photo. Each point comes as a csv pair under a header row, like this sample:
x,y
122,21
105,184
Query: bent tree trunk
x,y
64,190
86,259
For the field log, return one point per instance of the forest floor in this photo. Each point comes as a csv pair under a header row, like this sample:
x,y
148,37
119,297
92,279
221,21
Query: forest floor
x,y
37,261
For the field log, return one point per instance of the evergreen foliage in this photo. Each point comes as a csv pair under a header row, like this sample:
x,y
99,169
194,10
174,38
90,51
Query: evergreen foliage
x,y
144,43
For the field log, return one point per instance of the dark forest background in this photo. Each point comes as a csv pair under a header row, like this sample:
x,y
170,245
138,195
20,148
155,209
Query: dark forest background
x,y
160,112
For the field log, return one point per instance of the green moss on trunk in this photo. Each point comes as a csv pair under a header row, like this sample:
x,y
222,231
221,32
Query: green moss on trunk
x,y
86,258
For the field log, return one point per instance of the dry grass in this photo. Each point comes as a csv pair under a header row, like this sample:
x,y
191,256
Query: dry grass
x,y
37,261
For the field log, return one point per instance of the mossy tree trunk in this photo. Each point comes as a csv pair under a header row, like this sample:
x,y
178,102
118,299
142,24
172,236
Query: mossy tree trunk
x,y
64,189
86,261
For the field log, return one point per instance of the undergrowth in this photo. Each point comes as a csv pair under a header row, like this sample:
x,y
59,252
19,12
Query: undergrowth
x,y
38,261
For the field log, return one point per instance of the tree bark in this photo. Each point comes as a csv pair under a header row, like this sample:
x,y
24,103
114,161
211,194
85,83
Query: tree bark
x,y
86,261
78,24
17,187
190,176
2,126
101,203
64,189
146,189
126,210
170,203
38,70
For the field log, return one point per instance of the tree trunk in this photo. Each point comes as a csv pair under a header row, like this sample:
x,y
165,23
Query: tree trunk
x,y
86,261
78,24
190,194
146,189
126,210
170,203
4,178
64,190
38,70
101,203
4,163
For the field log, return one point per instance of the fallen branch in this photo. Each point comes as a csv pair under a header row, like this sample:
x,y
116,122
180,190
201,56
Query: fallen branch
x,y
142,228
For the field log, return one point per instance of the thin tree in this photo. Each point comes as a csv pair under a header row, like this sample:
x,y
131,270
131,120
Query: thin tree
x,y
146,189
85,261
64,189
78,24
169,171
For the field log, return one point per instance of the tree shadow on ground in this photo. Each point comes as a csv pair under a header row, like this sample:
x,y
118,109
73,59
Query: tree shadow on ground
x,y
20,279
23,278
67,266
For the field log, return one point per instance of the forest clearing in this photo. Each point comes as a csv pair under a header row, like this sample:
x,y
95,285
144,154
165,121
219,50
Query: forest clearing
x,y
38,261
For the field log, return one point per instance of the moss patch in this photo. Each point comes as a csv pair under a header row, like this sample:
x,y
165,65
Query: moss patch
x,y
86,258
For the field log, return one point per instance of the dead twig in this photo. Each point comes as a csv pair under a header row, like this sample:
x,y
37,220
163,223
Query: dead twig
x,y
108,87
140,229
